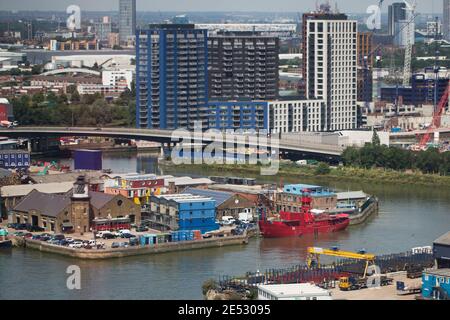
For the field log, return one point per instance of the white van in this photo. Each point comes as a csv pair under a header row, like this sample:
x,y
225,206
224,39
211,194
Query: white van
x,y
246,216
228,220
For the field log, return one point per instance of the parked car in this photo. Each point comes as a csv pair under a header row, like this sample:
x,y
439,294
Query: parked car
x,y
101,245
21,226
115,245
36,237
108,236
63,243
35,229
141,229
59,237
76,245
123,244
127,236
69,240
19,233
28,235
133,242
44,238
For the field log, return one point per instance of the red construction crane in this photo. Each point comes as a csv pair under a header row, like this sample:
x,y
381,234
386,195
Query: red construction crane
x,y
436,123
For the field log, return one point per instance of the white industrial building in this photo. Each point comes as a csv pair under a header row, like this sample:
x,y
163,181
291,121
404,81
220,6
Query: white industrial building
x,y
295,115
296,291
115,77
331,68
80,61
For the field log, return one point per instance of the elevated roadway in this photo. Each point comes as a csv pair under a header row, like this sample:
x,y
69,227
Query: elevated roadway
x,y
165,136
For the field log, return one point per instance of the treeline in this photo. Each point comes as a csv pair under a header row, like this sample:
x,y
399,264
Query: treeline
x,y
73,110
374,155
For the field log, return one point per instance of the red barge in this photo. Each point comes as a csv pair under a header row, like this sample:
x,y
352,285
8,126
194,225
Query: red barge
x,y
295,224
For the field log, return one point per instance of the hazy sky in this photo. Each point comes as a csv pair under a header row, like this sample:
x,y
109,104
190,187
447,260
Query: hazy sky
x,y
350,6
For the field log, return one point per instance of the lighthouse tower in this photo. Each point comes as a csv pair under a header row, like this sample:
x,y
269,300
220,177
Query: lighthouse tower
x,y
81,206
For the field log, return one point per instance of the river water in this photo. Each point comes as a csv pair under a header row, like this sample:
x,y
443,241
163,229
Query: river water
x,y
409,216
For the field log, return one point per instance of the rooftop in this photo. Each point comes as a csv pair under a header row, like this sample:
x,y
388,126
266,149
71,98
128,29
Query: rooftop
x,y
91,176
186,181
351,195
294,290
49,204
24,189
183,198
443,240
100,199
316,191
439,272
255,190
53,204
219,196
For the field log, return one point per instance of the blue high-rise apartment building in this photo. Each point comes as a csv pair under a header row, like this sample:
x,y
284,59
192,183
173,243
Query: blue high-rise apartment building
x,y
171,76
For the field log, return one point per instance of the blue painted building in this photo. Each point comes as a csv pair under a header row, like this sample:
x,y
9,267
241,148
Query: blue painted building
x,y
184,212
291,198
315,191
234,115
436,284
171,76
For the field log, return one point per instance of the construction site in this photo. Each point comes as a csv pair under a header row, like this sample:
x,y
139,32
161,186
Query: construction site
x,y
410,103
346,275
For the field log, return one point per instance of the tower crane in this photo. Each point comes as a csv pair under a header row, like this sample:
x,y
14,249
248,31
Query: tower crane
x,y
436,122
410,7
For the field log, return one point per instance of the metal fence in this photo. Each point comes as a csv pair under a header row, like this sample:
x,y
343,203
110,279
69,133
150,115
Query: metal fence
x,y
326,275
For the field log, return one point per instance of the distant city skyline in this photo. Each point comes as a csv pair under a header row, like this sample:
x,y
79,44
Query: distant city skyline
x,y
349,6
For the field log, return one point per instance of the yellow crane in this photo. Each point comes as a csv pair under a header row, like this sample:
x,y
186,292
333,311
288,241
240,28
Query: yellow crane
x,y
345,283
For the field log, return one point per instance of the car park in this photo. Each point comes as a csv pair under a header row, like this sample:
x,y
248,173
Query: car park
x,y
31,228
142,229
133,242
76,245
128,236
108,236
58,237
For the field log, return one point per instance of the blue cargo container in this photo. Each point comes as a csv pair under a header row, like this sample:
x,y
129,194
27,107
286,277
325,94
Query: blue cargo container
x,y
143,240
88,160
14,159
436,284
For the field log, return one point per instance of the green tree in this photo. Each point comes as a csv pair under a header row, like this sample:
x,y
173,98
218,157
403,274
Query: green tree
x,y
36,69
75,97
322,169
38,98
351,156
429,161
375,138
